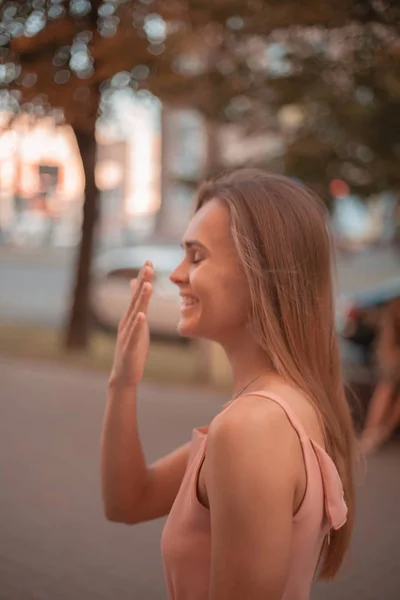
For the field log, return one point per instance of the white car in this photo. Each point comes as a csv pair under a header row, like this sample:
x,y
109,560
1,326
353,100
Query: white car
x,y
113,270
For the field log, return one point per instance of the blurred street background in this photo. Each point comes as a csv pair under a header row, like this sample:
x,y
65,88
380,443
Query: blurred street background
x,y
55,542
111,113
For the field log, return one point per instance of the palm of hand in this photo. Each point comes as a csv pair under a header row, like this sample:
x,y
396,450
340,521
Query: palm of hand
x,y
133,340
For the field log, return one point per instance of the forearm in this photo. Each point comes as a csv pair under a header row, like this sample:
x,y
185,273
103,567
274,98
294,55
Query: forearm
x,y
123,467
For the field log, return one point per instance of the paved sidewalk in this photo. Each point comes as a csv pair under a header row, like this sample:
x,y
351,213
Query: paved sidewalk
x,y
373,568
54,541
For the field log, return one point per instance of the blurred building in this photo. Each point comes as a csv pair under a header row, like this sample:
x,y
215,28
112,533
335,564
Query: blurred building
x,y
150,161
42,180
359,222
183,161
193,148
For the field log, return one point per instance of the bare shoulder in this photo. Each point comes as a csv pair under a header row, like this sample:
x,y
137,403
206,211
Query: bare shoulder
x,y
253,424
254,455
300,406
256,423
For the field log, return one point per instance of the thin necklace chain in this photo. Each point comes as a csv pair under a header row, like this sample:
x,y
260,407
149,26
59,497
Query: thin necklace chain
x,y
247,386
243,390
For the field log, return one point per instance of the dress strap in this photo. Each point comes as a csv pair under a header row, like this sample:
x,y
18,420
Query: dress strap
x,y
291,415
335,505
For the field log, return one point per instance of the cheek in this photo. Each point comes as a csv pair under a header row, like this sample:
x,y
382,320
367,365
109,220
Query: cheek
x,y
238,300
231,300
223,293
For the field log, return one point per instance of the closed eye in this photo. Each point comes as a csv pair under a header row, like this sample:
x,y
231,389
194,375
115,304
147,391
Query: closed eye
x,y
196,259
194,251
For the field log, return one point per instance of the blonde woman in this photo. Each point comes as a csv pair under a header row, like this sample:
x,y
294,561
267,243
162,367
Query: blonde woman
x,y
263,495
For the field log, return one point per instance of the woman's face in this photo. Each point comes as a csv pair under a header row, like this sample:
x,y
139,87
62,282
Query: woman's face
x,y
213,288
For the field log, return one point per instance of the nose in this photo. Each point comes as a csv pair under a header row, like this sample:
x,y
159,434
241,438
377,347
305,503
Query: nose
x,y
180,275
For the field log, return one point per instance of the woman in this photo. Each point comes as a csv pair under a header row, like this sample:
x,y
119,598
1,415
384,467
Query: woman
x,y
384,410
256,494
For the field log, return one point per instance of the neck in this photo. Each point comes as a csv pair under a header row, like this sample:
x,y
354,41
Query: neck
x,y
247,362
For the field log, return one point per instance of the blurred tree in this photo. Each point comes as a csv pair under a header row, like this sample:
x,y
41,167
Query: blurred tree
x,y
72,56
324,76
345,122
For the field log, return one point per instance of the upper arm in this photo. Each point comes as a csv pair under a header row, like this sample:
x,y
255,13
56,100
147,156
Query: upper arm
x,y
251,475
163,483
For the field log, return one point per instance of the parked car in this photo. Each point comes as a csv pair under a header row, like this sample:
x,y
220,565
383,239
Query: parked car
x,y
358,315
110,295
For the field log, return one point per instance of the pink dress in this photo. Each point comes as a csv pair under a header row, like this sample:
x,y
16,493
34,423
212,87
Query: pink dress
x,y
186,539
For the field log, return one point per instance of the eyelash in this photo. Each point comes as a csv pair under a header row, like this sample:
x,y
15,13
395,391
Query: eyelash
x,y
195,261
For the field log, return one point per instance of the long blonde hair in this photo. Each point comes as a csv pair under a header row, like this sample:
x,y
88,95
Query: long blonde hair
x,y
281,236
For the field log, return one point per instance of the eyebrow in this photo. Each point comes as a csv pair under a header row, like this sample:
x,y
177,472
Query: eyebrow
x,y
192,243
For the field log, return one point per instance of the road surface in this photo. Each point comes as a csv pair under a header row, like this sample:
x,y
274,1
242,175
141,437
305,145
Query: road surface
x,y
55,543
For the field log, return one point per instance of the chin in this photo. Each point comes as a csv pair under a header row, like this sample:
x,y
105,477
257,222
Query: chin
x,y
185,330
188,328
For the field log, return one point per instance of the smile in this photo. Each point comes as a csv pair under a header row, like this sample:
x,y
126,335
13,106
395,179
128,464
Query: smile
x,y
187,302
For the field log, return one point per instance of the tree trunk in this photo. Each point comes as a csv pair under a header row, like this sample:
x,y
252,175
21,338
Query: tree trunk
x,y
78,327
159,226
213,164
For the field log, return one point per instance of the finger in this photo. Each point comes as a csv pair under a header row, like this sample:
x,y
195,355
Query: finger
x,y
134,331
146,274
144,298
142,302
132,285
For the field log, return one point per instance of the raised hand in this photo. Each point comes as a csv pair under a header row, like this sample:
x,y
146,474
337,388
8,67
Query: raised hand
x,y
133,339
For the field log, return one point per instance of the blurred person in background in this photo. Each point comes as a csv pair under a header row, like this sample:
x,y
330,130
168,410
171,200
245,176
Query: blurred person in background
x,y
262,497
384,409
